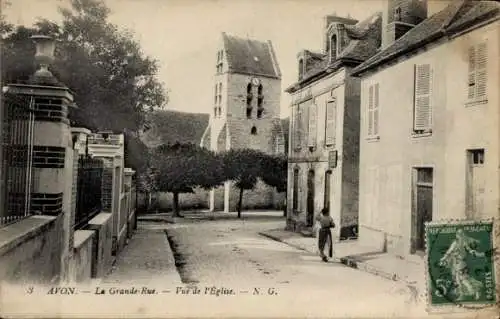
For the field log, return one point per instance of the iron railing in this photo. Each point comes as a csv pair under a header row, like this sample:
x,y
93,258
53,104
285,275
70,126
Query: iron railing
x,y
88,201
16,154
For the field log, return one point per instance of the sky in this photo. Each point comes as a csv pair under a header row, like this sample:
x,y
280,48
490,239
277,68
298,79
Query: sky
x,y
183,35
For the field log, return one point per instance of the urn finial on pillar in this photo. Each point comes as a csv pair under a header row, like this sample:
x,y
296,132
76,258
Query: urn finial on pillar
x,y
44,56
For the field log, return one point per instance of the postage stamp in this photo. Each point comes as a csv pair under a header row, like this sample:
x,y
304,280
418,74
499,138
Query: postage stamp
x,y
460,260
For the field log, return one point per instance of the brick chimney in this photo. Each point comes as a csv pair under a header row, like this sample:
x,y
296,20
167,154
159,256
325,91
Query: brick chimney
x,y
399,17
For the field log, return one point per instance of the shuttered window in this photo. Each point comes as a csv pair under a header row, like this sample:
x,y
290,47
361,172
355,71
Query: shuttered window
x,y
422,113
373,110
298,127
330,118
312,127
478,60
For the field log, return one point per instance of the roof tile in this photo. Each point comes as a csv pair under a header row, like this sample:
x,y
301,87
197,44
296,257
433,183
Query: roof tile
x,y
452,19
250,56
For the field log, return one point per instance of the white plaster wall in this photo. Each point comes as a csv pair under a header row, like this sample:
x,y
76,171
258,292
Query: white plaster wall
x,y
456,128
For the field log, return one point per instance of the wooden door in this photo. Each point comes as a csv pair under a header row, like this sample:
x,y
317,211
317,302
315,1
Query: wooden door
x,y
476,179
422,206
310,199
424,213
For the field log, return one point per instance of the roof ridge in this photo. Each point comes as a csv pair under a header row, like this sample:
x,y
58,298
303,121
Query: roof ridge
x,y
274,58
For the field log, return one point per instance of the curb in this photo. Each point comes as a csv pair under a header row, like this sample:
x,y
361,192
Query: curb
x,y
353,263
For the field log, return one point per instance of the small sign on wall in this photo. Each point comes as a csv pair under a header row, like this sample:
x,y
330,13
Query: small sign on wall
x,y
332,159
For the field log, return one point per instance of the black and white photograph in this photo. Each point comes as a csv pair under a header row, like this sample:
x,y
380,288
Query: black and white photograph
x,y
249,159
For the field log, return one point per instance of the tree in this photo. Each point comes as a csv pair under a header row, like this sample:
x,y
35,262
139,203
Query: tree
x,y
179,168
114,83
275,172
244,167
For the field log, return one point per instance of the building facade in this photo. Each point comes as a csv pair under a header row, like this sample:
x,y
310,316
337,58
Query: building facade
x,y
429,122
245,113
324,126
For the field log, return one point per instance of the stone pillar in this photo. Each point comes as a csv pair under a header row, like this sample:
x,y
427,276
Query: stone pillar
x,y
110,147
79,137
129,210
49,144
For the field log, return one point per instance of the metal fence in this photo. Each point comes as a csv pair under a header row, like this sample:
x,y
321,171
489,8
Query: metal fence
x,y
16,154
88,201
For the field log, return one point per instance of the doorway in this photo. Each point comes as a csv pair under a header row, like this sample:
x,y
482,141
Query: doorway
x,y
422,206
476,179
310,199
326,199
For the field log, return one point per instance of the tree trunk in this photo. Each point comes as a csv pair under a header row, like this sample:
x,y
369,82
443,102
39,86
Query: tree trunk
x,y
240,202
176,205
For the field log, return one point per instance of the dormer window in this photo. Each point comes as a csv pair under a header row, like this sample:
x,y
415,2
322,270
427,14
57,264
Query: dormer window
x,y
333,47
301,68
397,14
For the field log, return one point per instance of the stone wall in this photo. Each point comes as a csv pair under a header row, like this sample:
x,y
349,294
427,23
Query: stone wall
x,y
30,250
102,259
81,266
197,200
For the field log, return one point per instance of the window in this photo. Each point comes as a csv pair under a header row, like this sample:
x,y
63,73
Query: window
x,y
253,131
312,119
330,118
477,156
333,47
301,68
249,100
220,99
478,61
422,111
326,200
219,61
216,99
259,112
260,101
373,110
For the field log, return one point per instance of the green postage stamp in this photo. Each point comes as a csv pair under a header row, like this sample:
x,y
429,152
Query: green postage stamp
x,y
461,264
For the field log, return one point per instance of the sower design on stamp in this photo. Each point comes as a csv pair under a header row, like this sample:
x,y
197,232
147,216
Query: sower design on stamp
x,y
460,264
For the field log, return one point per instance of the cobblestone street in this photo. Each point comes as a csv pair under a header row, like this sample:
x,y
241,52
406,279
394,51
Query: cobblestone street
x,y
229,254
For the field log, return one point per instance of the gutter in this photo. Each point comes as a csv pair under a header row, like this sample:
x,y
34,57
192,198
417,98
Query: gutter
x,y
329,69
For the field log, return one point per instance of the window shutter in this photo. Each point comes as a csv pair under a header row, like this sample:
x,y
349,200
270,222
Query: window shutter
x,y
370,111
295,126
375,109
481,67
422,108
298,127
312,125
331,111
472,73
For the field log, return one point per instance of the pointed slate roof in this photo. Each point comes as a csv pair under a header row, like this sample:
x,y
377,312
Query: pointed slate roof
x,y
249,56
456,17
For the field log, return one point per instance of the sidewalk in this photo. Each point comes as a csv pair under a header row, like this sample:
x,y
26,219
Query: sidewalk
x,y
147,259
367,259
